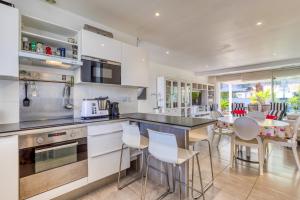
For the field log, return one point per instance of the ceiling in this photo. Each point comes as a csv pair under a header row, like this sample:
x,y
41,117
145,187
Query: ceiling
x,y
204,34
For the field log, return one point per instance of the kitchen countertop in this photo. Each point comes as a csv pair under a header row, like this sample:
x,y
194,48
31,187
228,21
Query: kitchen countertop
x,y
41,124
183,122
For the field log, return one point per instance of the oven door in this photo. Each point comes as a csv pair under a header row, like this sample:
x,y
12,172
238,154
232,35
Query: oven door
x,y
46,167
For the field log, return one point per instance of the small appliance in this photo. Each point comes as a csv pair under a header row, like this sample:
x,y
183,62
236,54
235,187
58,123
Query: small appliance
x,y
114,109
93,108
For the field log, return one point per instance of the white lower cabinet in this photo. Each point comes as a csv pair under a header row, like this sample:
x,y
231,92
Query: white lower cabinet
x,y
104,150
9,173
106,165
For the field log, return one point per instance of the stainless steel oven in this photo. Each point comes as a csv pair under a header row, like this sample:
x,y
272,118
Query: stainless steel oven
x,y
52,159
100,71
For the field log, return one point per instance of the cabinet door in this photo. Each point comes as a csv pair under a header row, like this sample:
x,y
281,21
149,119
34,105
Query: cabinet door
x,y
134,66
183,94
175,96
98,46
9,173
9,41
168,94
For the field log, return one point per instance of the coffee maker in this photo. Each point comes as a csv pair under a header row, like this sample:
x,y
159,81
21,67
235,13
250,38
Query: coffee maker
x,y
114,109
94,108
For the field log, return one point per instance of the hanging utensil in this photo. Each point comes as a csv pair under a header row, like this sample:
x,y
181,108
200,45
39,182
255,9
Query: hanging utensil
x,y
26,101
34,89
67,97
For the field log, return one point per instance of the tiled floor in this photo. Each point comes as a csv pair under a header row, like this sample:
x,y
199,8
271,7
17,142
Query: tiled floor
x,y
281,180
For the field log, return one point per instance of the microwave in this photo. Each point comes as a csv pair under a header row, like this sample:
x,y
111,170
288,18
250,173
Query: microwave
x,y
97,70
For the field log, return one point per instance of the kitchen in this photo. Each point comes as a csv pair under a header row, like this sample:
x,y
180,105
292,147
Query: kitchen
x,y
72,87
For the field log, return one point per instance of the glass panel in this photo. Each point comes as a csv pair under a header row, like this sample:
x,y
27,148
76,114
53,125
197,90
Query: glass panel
x,y
287,90
175,94
189,95
168,94
183,112
54,157
224,100
183,95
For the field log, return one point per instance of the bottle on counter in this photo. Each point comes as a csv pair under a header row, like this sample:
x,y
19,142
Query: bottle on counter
x,y
25,44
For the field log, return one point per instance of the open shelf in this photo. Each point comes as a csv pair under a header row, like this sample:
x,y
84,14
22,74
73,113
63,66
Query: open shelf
x,y
51,41
32,58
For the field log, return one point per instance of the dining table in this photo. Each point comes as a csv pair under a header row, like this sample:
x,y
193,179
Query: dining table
x,y
268,128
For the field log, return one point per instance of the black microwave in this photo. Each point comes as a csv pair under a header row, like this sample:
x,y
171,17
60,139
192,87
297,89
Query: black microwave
x,y
100,71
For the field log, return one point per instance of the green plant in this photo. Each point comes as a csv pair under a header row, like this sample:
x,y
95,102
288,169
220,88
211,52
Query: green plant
x,y
224,104
261,97
295,102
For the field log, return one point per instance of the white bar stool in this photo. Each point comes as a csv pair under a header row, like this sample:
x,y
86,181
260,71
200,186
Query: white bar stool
x,y
133,139
195,137
163,147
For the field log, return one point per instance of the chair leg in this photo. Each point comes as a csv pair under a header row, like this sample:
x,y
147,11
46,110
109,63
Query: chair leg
x,y
294,148
143,196
210,158
232,151
261,160
200,177
219,139
180,176
120,167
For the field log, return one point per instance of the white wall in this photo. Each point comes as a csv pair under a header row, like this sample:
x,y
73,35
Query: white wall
x,y
156,70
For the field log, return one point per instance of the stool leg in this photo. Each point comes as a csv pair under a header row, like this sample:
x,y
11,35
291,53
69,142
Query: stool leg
x,y
200,176
210,157
180,176
120,167
143,196
141,171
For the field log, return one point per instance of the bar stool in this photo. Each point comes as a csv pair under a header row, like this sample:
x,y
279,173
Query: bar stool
x,y
133,139
195,137
163,147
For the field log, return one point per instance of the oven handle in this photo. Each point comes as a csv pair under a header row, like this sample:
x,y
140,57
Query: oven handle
x,y
56,148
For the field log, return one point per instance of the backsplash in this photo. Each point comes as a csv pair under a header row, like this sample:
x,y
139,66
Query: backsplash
x,y
127,97
48,103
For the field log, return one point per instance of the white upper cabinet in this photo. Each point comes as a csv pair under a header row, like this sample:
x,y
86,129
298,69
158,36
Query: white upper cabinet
x,y
98,46
9,41
134,66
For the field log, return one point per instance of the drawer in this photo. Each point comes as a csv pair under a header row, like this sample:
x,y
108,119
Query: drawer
x,y
105,128
106,143
108,164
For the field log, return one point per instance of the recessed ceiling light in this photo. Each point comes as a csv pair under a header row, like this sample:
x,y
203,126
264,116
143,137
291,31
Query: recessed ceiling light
x,y
143,59
157,14
259,23
274,54
102,45
167,52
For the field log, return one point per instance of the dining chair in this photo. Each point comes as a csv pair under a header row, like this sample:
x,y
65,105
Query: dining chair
x,y
238,109
218,129
256,115
163,147
246,132
133,139
277,111
291,142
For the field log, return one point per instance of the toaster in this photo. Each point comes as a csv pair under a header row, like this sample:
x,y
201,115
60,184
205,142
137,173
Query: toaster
x,y
93,108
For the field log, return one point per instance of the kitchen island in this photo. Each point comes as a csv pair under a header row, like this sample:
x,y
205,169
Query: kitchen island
x,y
179,126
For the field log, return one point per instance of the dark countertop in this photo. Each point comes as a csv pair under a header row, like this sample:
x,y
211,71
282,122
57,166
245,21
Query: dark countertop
x,y
40,124
184,122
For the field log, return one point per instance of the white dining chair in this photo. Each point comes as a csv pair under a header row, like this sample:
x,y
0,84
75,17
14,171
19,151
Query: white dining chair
x,y
291,143
133,139
219,131
246,132
256,115
163,147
